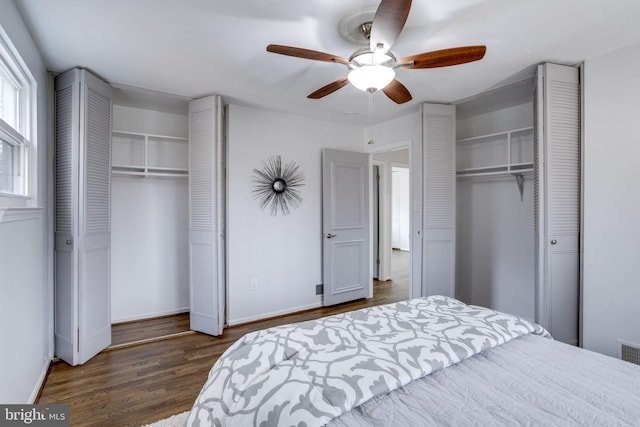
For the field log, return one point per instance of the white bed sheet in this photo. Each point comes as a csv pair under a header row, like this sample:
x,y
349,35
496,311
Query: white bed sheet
x,y
530,381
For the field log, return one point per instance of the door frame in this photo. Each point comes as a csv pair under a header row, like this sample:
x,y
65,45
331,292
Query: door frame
x,y
375,220
415,226
384,219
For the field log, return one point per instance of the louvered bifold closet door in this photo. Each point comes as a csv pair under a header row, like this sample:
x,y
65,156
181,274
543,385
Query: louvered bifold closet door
x,y
439,210
557,200
67,107
207,160
94,256
82,216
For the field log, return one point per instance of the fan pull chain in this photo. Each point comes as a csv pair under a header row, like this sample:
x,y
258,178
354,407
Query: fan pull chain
x,y
370,141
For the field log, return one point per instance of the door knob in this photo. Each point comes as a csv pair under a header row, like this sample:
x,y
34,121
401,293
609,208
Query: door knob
x,y
329,235
69,241
554,241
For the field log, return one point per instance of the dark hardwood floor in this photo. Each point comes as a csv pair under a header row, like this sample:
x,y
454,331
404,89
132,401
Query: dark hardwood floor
x,y
148,329
141,384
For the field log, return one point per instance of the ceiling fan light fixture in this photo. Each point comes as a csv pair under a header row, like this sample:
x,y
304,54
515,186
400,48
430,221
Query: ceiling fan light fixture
x,y
370,78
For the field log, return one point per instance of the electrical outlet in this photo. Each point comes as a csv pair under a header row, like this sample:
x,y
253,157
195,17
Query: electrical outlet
x,y
254,284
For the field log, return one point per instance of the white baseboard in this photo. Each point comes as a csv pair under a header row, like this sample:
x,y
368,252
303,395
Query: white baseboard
x,y
230,322
41,380
150,315
234,322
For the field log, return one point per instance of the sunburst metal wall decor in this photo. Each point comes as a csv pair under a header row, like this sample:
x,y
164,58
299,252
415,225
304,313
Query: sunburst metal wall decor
x,y
277,186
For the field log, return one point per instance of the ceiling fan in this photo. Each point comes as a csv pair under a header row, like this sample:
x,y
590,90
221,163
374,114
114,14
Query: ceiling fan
x,y
373,68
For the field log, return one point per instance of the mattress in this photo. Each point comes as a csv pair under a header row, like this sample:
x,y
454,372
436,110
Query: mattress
x,y
530,380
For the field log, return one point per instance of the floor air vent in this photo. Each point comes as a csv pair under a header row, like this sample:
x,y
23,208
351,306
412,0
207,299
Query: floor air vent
x,y
629,352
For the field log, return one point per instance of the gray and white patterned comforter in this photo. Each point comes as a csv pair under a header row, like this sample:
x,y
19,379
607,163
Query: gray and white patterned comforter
x,y
308,373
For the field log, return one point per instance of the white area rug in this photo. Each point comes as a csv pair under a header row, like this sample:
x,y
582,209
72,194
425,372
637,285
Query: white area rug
x,y
173,421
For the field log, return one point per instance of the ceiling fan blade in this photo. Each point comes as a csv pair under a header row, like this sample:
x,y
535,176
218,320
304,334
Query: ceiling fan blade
x,y
397,92
445,57
387,24
329,89
304,53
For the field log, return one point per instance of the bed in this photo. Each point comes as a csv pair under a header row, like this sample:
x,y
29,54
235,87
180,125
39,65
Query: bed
x,y
426,361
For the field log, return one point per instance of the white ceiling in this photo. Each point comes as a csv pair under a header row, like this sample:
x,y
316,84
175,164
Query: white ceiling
x,y
194,48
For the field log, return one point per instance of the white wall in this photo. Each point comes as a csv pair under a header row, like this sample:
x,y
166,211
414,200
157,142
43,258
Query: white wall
x,y
495,240
283,253
395,133
149,231
152,121
25,280
400,208
509,117
399,157
611,212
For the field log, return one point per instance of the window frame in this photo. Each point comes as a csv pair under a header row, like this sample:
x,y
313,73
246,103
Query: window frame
x,y
22,139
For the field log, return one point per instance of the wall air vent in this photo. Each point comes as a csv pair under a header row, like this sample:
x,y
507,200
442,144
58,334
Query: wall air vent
x,y
629,352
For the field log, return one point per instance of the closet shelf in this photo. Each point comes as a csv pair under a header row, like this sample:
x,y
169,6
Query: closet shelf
x,y
500,153
149,135
508,153
494,135
149,155
512,169
149,172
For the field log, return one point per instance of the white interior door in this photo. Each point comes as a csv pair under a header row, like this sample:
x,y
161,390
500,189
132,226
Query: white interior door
x,y
345,218
557,200
83,216
67,107
94,258
207,189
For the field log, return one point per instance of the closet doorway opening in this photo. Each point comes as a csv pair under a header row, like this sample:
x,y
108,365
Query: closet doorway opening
x,y
149,216
391,225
